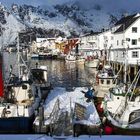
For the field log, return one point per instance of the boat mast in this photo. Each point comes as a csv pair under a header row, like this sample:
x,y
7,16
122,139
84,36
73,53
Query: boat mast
x,y
18,55
22,66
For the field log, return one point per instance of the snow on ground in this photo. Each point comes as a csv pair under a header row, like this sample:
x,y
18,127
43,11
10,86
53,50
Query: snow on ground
x,y
84,137
67,100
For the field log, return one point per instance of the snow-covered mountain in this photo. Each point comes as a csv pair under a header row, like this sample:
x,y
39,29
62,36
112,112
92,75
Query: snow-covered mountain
x,y
60,17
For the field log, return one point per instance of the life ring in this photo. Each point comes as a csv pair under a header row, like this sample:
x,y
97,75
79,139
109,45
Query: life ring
x,y
8,112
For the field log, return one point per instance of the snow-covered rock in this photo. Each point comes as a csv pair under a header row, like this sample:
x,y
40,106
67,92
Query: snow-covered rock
x,y
61,17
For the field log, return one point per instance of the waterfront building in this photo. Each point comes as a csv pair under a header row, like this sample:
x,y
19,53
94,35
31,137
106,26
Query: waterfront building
x,y
118,43
126,40
89,44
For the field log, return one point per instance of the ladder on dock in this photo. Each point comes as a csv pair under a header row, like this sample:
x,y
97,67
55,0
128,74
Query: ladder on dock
x,y
60,121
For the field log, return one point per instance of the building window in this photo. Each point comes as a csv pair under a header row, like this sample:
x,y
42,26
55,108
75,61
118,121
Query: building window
x,y
122,42
135,54
134,29
112,37
117,42
134,41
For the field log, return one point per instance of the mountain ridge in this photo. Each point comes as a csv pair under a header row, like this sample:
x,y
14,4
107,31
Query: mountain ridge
x,y
70,19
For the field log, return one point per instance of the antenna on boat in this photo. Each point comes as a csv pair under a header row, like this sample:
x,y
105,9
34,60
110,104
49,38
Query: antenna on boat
x,y
21,62
19,75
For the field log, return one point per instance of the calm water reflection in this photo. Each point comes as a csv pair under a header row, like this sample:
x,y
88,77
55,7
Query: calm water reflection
x,y
60,73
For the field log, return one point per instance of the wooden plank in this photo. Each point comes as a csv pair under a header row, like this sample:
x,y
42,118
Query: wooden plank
x,y
79,111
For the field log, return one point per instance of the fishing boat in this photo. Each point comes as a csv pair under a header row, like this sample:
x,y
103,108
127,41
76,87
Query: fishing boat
x,y
18,104
35,55
105,79
80,59
91,62
122,107
70,58
39,78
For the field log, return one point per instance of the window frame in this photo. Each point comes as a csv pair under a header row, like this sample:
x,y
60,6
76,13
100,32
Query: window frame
x,y
132,43
135,54
134,29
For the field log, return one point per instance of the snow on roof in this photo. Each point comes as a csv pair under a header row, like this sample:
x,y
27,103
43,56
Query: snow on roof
x,y
67,102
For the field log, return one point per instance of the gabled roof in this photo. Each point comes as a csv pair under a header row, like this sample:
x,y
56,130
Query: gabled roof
x,y
125,19
126,22
91,33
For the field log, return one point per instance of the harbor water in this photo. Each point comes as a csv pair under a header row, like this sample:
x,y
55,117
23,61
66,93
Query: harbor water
x,y
60,73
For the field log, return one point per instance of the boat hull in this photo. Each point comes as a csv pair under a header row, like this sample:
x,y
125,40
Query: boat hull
x,y
16,124
122,131
91,63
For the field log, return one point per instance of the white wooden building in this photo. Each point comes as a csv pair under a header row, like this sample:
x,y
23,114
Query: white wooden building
x,y
89,44
120,43
126,40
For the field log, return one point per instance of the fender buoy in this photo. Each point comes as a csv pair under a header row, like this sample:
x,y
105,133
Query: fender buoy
x,y
97,79
99,108
108,130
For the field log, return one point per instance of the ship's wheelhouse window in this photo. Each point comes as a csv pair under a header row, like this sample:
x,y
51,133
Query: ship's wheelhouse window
x,y
134,29
134,41
24,87
135,54
102,81
108,82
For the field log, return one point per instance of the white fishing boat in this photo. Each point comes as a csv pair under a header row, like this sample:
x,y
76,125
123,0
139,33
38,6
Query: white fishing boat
x,y
18,105
70,58
80,59
91,62
39,78
122,107
18,102
105,79
34,55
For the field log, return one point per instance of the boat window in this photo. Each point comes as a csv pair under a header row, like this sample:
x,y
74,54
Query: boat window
x,y
110,72
118,98
134,117
108,82
24,86
102,81
8,107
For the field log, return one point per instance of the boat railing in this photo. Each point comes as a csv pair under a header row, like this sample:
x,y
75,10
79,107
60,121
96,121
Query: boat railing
x,y
54,116
60,120
120,110
54,113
